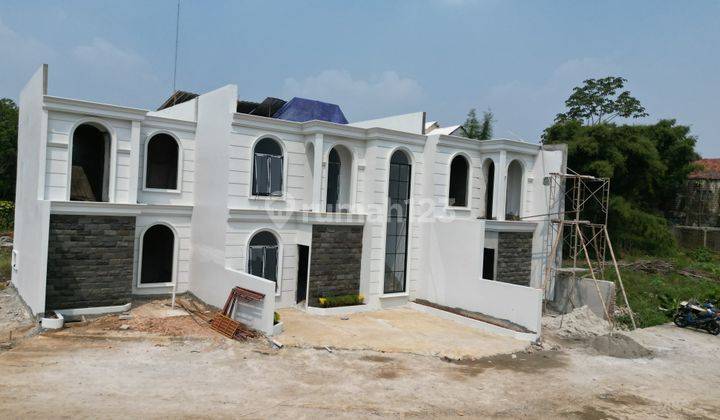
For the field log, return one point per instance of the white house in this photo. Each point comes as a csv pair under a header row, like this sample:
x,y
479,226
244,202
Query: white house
x,y
209,193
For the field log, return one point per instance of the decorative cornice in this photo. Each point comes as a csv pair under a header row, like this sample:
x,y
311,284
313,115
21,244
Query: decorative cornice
x,y
117,209
510,226
74,106
288,216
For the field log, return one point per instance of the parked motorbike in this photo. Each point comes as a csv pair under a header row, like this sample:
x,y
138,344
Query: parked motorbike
x,y
703,316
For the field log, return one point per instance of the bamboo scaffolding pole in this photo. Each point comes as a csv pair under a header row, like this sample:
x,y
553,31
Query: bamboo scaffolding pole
x,y
592,273
617,272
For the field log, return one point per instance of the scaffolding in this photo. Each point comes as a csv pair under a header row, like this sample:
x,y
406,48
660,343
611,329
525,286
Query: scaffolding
x,y
577,224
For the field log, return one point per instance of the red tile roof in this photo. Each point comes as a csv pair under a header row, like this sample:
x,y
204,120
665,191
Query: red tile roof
x,y
710,169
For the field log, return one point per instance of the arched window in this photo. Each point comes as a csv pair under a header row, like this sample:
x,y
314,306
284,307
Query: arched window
x,y
158,254
338,179
459,169
90,172
162,162
514,191
263,256
396,239
267,168
333,185
489,172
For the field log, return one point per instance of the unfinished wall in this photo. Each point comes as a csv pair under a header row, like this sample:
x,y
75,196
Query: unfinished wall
x,y
335,261
696,237
90,261
514,257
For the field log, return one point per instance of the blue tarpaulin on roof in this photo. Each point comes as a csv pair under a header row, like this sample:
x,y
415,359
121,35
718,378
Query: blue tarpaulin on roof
x,y
301,110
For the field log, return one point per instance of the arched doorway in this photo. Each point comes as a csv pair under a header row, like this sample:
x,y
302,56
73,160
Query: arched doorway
x,y
489,172
90,168
338,180
513,201
158,256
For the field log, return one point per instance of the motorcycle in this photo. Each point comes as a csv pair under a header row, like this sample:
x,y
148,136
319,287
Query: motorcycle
x,y
703,316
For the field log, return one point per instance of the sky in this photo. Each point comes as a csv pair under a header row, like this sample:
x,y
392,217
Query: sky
x,y
520,59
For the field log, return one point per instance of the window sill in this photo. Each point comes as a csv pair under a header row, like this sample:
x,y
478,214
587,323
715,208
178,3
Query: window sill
x,y
394,295
463,209
154,285
266,198
161,190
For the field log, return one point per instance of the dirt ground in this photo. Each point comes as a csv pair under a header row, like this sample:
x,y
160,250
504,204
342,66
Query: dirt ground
x,y
95,369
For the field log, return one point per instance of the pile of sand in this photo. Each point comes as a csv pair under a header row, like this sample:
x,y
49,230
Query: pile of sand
x,y
619,345
580,323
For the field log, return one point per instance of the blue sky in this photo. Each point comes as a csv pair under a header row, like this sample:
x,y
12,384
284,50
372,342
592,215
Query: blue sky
x,y
376,58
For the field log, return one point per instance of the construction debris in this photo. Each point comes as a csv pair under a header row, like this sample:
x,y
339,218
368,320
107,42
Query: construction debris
x,y
619,345
223,322
578,324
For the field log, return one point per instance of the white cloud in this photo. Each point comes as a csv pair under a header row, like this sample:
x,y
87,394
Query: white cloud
x,y
523,110
379,95
103,54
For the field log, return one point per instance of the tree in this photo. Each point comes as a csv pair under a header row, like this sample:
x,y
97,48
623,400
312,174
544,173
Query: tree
x,y
486,129
597,102
472,125
8,148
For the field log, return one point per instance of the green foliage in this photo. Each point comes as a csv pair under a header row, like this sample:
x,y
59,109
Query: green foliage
x,y
7,214
8,148
647,165
597,102
633,229
476,130
276,318
486,129
5,260
342,300
472,125
701,255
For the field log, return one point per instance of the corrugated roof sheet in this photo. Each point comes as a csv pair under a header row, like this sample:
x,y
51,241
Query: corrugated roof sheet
x,y
710,169
301,110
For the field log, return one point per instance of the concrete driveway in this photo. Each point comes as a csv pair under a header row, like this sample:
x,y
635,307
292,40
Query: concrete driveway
x,y
397,330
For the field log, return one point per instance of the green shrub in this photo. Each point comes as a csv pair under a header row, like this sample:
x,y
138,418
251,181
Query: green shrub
x,y
7,214
633,229
342,300
276,318
5,264
702,255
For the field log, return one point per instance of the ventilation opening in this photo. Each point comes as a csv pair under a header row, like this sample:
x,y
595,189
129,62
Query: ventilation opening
x,y
158,248
89,177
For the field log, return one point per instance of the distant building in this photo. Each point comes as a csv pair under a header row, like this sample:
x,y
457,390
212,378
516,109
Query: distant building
x,y
699,204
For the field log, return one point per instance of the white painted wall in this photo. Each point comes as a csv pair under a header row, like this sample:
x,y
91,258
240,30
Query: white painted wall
x,y
453,276
408,123
32,214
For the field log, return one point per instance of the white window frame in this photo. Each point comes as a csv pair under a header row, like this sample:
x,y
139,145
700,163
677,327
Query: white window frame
x,y
149,137
468,183
112,159
278,274
285,159
176,247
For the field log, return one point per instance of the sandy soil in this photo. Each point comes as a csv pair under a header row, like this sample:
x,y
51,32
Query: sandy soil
x,y
149,374
15,318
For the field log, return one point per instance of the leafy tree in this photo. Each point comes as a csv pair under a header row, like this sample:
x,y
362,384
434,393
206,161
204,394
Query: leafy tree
x,y
8,148
597,102
647,166
486,129
472,125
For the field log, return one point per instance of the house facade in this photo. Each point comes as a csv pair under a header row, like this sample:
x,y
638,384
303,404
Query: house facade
x,y
203,195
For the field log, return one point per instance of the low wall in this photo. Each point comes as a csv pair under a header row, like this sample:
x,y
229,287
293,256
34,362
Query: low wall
x,y
695,237
583,293
452,277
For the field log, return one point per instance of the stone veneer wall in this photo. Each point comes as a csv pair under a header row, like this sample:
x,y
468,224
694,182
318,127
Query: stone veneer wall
x,y
90,261
514,257
335,261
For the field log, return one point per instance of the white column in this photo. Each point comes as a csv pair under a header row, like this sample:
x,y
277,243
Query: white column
x,y
500,188
134,162
317,174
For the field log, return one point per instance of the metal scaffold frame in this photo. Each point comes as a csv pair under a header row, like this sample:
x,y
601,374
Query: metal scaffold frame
x,y
577,223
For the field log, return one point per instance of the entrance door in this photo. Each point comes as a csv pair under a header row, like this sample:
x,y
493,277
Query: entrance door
x,y
302,273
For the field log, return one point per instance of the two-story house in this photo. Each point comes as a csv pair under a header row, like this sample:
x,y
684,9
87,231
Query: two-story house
x,y
283,198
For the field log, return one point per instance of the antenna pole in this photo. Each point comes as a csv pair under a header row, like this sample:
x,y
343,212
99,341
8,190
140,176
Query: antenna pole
x,y
177,36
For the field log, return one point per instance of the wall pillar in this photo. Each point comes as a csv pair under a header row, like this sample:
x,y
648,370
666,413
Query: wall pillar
x,y
134,162
317,174
500,187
